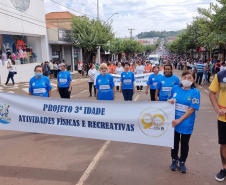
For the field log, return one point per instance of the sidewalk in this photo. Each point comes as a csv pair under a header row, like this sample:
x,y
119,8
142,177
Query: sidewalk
x,y
23,87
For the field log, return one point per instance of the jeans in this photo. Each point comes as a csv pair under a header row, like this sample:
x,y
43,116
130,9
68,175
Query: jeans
x,y
91,84
184,140
199,78
206,75
10,75
127,94
64,92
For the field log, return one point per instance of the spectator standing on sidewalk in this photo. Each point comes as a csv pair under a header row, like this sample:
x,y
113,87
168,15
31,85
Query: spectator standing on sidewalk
x,y
80,68
51,69
200,67
55,69
46,69
11,67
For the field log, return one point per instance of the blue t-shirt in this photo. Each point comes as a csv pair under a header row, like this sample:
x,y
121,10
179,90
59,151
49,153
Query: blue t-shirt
x,y
153,80
40,86
64,79
104,84
127,80
165,85
185,100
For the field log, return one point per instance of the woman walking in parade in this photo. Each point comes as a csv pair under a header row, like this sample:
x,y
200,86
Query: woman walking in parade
x,y
91,74
39,84
64,82
127,85
119,71
105,87
139,70
152,82
166,84
187,99
11,67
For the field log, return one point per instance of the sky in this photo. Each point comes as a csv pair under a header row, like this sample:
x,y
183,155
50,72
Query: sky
x,y
141,15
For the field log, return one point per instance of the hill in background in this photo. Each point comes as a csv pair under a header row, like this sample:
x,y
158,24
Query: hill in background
x,y
161,34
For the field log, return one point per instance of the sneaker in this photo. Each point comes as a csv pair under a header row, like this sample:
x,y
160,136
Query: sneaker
x,y
221,176
182,167
174,165
90,95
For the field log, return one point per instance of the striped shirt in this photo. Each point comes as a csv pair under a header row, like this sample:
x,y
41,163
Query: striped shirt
x,y
200,67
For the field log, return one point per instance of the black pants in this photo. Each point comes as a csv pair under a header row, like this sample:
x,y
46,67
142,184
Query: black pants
x,y
64,92
91,84
208,79
55,73
199,78
139,88
10,75
117,88
152,94
127,94
184,140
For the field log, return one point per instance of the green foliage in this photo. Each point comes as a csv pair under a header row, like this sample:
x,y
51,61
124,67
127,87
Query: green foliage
x,y
131,47
150,48
207,30
89,34
114,46
161,34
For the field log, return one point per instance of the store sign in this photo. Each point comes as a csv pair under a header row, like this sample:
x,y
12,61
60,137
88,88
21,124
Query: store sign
x,y
63,34
21,46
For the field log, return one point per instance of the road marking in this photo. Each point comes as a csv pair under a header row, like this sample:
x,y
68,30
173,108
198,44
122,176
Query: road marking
x,y
25,89
136,97
200,87
10,92
55,85
79,93
96,158
93,163
206,91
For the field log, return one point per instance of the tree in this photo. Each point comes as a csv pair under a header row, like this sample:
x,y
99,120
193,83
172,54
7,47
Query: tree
x,y
89,34
131,47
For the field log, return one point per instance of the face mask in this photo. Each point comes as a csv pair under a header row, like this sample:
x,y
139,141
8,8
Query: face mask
x,y
186,83
38,74
103,73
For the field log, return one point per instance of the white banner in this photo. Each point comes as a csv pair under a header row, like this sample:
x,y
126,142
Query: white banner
x,y
141,80
136,122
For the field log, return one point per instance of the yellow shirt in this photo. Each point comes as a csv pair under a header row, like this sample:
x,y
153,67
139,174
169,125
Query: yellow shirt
x,y
219,84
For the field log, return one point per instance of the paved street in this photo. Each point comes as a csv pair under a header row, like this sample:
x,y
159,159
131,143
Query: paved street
x,y
40,159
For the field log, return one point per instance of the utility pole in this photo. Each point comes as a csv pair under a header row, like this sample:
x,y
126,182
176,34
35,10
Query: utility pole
x,y
131,33
98,50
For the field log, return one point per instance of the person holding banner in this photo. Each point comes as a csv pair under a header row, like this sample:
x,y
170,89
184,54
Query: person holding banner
x,y
148,67
139,70
110,68
131,68
187,99
162,68
39,84
127,85
152,82
105,87
64,82
166,83
119,71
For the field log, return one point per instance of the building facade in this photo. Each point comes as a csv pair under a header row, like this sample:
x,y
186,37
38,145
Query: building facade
x,y
59,27
23,36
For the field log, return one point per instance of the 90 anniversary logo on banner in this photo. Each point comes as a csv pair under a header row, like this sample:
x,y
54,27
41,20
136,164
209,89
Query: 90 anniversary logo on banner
x,y
153,122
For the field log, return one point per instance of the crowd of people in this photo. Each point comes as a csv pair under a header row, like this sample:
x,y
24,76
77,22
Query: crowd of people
x,y
166,87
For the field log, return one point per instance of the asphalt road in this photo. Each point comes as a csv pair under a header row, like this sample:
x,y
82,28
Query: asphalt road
x,y
40,159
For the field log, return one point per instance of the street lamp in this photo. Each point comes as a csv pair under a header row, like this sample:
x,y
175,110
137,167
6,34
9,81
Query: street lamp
x,y
113,15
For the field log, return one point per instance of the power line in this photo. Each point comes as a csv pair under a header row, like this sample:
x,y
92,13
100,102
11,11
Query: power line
x,y
27,21
23,12
72,9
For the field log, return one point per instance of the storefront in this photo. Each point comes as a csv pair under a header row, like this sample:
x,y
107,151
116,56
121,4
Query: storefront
x,y
61,49
22,39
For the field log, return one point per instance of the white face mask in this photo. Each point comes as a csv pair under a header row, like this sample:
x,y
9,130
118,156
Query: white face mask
x,y
186,83
103,73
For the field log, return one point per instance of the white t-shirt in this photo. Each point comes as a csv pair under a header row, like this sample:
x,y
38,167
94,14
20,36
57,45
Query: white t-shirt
x,y
59,67
0,62
92,74
80,67
223,68
139,70
12,68
51,66
119,70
